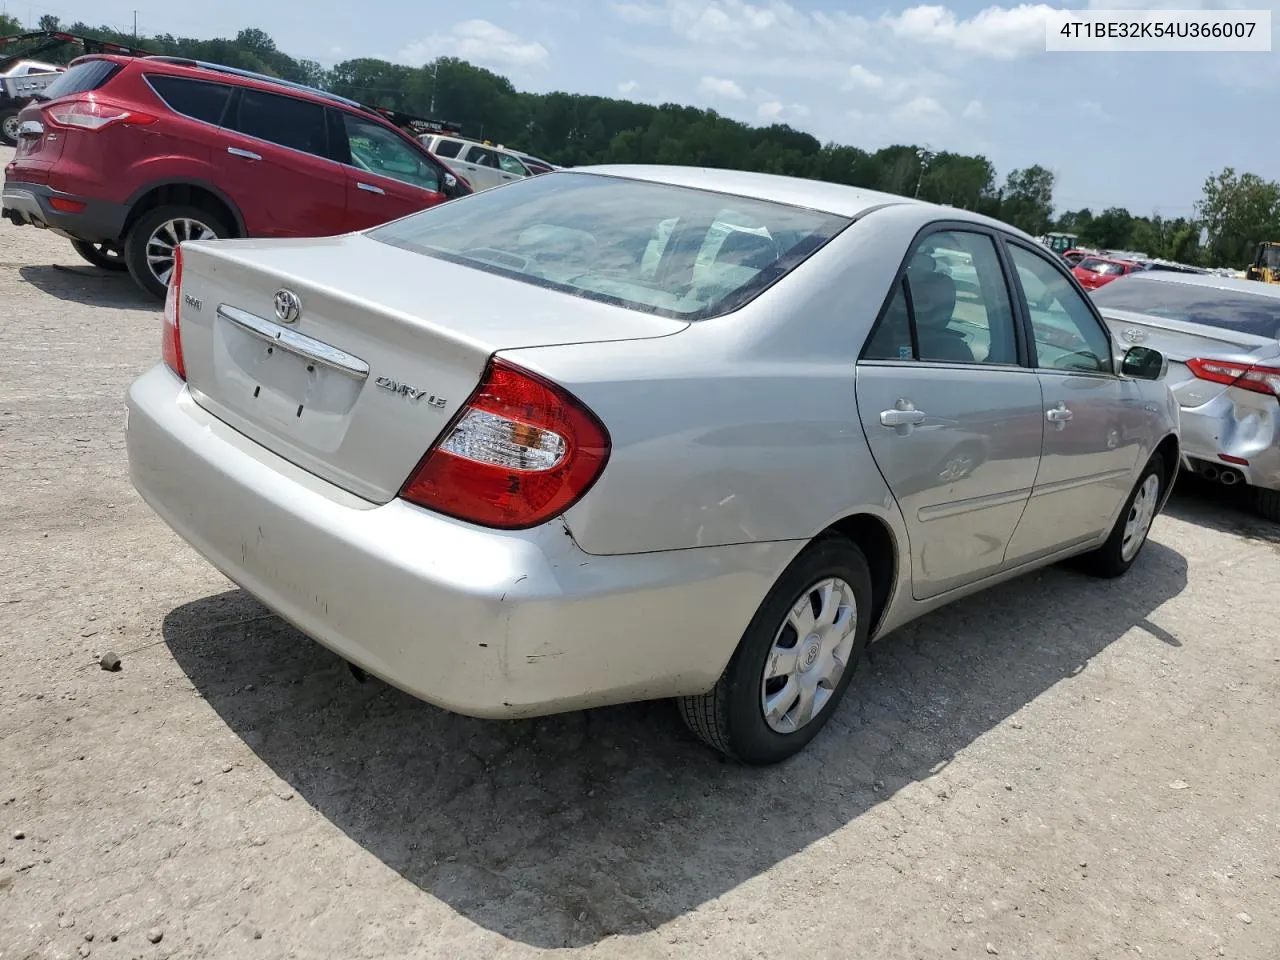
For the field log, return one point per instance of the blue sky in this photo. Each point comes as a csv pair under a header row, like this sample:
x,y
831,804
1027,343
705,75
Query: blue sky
x,y
1129,129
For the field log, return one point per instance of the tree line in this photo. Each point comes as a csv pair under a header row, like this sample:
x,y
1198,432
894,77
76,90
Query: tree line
x,y
1237,210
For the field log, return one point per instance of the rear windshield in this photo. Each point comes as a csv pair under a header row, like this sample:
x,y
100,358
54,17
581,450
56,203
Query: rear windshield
x,y
81,78
672,251
1193,303
1101,267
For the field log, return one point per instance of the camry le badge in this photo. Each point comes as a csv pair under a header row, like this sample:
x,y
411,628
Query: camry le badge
x,y
413,393
288,306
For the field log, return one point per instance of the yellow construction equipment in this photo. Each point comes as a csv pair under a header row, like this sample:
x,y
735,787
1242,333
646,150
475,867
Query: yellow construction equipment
x,y
1266,263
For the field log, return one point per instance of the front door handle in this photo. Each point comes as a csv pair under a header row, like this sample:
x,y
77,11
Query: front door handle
x,y
371,188
247,154
1058,414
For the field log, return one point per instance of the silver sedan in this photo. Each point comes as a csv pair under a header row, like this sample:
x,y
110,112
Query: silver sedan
x,y
1222,339
625,433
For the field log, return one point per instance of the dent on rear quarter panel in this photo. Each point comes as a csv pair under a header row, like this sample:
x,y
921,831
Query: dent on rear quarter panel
x,y
742,428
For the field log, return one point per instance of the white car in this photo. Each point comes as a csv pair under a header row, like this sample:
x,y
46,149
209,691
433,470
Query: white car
x,y
480,164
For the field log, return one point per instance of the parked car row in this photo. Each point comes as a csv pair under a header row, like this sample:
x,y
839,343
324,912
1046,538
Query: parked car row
x,y
127,157
483,164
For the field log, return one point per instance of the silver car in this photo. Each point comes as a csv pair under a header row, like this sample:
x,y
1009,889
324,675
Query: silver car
x,y
627,433
1222,339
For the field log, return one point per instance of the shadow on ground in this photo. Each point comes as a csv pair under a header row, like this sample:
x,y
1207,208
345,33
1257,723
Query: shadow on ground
x,y
561,831
1221,508
92,286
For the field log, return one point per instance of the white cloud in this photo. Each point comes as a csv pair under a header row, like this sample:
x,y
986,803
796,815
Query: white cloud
x,y
1003,33
974,110
920,111
775,111
860,76
771,26
641,14
719,89
628,86
480,42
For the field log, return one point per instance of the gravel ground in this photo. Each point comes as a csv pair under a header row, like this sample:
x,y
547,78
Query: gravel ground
x,y
1059,768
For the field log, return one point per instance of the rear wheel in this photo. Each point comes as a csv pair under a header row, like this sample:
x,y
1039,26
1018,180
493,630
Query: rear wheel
x,y
1129,535
100,255
9,126
153,240
795,660
1267,503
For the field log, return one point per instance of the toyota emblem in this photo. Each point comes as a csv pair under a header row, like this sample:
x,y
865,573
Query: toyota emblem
x,y
288,306
1134,335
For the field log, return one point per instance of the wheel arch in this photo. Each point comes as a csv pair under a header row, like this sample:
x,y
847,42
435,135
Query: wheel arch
x,y
196,193
878,543
1169,450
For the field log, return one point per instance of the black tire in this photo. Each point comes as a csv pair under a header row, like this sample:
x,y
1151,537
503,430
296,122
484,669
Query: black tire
x,y
730,717
1108,561
98,254
8,126
1267,503
135,244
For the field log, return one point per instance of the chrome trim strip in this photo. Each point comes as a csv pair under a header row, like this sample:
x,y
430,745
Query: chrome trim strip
x,y
294,342
957,507
1072,483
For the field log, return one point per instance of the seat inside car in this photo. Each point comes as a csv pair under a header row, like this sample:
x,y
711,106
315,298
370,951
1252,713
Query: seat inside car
x,y
933,299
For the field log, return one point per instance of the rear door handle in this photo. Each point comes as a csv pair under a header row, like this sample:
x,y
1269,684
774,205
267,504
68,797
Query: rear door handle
x,y
247,154
903,414
1058,414
371,188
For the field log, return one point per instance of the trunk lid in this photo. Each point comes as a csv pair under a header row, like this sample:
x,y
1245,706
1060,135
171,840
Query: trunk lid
x,y
1181,341
386,347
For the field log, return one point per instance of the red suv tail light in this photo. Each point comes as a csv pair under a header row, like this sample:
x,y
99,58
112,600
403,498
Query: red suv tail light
x,y
521,451
94,114
1257,378
171,338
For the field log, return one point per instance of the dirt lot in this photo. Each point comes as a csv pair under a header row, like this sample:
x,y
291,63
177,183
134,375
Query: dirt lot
x,y
1060,768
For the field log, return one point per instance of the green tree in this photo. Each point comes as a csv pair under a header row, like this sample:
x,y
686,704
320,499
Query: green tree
x,y
1109,229
49,22
1239,211
1027,202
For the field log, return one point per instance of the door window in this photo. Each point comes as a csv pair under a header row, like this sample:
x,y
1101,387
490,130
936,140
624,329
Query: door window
x,y
482,157
952,305
510,164
1067,334
286,121
376,150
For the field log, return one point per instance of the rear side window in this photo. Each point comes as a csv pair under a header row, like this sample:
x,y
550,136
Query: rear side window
x,y
287,121
81,78
198,99
672,251
447,148
1211,306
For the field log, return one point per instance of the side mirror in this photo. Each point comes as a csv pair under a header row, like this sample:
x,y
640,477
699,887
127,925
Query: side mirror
x,y
1143,363
450,185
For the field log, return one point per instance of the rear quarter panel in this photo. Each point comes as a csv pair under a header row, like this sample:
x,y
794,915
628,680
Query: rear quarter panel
x,y
743,428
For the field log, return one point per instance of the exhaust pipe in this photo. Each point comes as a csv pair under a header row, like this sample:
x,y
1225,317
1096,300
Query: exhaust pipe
x,y
1229,477
1209,472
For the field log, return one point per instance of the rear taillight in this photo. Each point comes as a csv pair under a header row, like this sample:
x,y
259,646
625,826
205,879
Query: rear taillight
x,y
521,451
171,338
1257,378
92,114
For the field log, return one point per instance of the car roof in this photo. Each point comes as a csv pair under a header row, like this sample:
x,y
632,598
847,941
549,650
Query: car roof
x,y
834,198
1269,290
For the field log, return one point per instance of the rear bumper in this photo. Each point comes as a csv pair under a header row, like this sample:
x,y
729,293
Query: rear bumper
x,y
1249,432
97,221
484,623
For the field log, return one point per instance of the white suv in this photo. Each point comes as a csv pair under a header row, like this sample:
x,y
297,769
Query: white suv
x,y
480,164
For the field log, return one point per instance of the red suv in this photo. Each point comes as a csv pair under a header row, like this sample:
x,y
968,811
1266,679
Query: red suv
x,y
129,157
1094,272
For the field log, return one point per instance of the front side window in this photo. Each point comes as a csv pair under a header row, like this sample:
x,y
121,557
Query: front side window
x,y
482,157
286,121
952,305
673,251
510,164
375,149
1067,335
